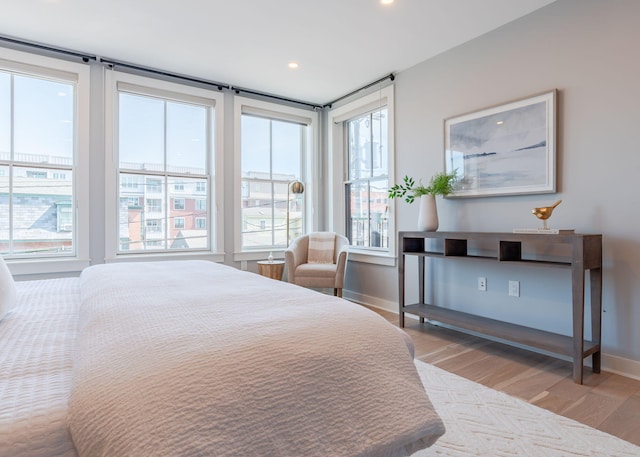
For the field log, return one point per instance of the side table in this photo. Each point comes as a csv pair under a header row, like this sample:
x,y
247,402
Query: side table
x,y
271,269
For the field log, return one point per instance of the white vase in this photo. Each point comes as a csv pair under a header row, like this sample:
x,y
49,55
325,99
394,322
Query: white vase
x,y
427,214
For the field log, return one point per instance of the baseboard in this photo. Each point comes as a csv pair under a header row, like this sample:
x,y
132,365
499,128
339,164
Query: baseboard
x,y
611,363
620,365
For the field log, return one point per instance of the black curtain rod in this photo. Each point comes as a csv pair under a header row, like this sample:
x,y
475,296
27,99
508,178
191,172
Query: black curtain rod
x,y
390,76
86,58
238,90
114,63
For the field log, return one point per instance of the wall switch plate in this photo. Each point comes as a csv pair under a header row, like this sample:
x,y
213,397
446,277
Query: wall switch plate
x,y
514,288
482,283
243,265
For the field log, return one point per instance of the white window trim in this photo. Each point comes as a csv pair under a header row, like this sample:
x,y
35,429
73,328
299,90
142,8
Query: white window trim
x,y
80,74
311,170
216,208
338,172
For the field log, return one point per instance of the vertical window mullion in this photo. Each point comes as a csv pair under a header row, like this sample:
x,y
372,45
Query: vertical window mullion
x,y
11,159
166,180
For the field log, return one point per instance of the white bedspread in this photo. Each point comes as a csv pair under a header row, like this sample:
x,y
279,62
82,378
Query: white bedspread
x,y
36,352
194,358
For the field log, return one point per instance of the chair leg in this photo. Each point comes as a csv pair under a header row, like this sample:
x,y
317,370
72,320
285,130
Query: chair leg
x,y
337,292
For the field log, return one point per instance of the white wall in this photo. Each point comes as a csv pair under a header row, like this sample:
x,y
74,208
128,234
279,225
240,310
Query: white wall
x,y
588,50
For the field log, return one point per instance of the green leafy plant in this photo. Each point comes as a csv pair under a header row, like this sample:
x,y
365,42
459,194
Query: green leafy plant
x,y
440,184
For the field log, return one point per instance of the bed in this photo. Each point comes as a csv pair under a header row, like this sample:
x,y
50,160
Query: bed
x,y
197,358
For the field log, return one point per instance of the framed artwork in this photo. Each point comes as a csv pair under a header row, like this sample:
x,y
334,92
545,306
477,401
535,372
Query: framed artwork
x,y
504,150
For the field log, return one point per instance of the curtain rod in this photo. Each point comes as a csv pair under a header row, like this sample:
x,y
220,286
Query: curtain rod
x,y
85,57
114,63
390,76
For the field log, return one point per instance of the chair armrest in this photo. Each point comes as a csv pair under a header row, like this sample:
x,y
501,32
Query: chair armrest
x,y
342,251
294,255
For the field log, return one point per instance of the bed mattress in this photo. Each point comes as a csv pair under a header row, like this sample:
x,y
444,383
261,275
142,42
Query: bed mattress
x,y
34,391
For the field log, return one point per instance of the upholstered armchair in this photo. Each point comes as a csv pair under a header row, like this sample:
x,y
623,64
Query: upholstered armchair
x,y
318,260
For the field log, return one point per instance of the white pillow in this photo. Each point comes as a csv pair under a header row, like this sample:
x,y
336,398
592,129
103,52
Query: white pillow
x,y
7,289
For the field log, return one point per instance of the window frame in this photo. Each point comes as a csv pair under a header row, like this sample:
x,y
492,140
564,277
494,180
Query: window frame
x,y
78,74
309,166
338,156
215,203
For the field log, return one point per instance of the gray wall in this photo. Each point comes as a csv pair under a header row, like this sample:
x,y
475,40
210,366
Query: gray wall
x,y
588,50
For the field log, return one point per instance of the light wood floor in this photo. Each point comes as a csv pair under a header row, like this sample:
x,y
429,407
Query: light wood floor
x,y
605,401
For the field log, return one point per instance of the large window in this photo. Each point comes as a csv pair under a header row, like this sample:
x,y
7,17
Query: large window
x,y
361,165
274,149
164,144
367,182
41,109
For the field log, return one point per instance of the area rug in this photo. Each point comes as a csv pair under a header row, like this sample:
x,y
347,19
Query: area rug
x,y
483,422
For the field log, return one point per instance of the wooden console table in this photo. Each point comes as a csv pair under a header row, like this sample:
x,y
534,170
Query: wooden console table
x,y
585,254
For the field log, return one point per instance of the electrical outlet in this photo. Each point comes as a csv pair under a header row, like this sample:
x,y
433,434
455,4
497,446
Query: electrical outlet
x,y
514,288
243,265
482,283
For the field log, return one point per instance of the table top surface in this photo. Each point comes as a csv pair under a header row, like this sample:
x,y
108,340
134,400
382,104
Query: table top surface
x,y
271,262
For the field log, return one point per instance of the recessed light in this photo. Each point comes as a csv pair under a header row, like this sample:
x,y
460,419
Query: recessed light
x,y
386,2
499,122
293,65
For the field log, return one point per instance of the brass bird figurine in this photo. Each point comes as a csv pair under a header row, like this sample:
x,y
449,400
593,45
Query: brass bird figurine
x,y
544,212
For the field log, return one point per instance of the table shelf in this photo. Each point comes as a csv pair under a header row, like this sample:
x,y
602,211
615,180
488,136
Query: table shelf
x,y
585,254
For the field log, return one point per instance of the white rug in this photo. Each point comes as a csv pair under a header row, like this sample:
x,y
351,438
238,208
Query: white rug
x,y
484,422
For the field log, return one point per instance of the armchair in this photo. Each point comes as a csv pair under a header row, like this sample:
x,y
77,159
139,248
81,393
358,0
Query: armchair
x,y
328,272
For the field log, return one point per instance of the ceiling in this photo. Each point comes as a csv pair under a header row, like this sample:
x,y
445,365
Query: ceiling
x,y
340,45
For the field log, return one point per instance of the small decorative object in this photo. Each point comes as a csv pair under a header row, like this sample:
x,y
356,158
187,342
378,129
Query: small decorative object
x,y
544,213
270,258
440,184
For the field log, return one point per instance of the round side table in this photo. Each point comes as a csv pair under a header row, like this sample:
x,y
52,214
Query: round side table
x,y
271,269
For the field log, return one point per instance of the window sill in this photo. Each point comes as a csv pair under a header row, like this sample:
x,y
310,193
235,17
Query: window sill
x,y
158,257
20,267
278,254
371,257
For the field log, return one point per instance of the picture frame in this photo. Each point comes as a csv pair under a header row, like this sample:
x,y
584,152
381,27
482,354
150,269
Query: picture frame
x,y
508,149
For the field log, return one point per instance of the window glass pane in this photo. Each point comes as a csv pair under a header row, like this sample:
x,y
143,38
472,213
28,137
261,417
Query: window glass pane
x,y
5,116
256,147
141,132
42,221
186,138
379,150
43,121
141,200
286,144
358,213
184,232
257,214
379,214
360,147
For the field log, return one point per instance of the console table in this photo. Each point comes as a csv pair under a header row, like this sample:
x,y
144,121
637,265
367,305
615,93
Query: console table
x,y
585,254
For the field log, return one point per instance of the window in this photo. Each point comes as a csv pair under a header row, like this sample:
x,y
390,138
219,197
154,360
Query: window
x,y
178,204
367,222
201,204
274,149
201,223
361,154
43,148
165,138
